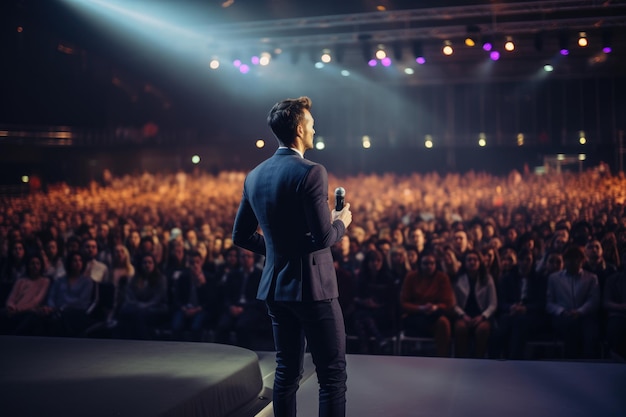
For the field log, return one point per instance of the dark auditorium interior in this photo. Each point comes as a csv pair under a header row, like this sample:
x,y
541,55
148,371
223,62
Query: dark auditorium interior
x,y
474,138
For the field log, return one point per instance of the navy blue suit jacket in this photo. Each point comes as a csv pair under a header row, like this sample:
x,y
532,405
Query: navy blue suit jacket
x,y
287,196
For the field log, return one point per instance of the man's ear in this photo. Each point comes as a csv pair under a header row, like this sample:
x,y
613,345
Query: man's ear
x,y
300,130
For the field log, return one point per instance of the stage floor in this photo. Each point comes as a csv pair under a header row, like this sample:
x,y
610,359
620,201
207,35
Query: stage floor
x,y
93,377
395,386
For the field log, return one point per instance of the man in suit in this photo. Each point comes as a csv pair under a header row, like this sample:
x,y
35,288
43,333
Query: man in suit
x,y
287,196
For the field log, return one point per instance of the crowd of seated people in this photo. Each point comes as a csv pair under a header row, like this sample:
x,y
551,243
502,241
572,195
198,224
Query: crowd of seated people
x,y
482,264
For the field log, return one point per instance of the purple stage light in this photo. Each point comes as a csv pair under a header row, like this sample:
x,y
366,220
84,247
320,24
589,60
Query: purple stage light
x,y
386,61
420,60
487,46
494,55
255,60
372,63
244,69
237,63
607,50
564,52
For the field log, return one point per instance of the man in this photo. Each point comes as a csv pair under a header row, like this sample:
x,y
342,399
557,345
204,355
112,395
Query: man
x,y
287,196
573,298
240,311
94,269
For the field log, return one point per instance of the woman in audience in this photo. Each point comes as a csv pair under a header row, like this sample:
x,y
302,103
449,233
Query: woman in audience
x,y
69,301
375,301
25,299
427,300
476,303
145,305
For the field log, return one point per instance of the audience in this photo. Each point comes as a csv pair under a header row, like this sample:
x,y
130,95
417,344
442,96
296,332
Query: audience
x,y
446,216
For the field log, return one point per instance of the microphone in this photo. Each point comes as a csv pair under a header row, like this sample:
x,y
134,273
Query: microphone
x,y
340,195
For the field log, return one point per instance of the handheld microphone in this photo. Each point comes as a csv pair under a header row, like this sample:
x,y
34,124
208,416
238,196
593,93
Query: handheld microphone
x,y
340,195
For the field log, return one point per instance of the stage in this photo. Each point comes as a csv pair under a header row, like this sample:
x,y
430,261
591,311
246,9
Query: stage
x,y
93,377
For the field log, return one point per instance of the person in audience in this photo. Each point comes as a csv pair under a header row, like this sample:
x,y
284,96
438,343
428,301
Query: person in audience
x,y
94,269
427,301
460,244
121,273
399,266
25,299
55,268
66,312
13,267
573,297
146,303
521,306
449,263
614,304
596,264
195,302
492,261
476,304
375,302
241,312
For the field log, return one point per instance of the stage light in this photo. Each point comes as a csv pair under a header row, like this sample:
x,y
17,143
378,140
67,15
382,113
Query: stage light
x,y
319,144
487,44
265,59
607,45
472,34
365,142
560,157
548,68
237,63
520,139
380,52
564,44
255,60
509,45
409,71
582,139
447,48
582,157
260,143
345,73
25,179
195,159
494,55
386,61
482,139
244,69
418,52
428,141
214,64
319,65
326,58
372,63
582,39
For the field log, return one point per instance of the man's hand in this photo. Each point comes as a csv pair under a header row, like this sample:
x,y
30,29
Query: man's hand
x,y
345,215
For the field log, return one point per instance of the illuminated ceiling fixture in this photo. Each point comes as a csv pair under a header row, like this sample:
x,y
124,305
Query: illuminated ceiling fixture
x,y
473,33
564,44
418,52
487,44
607,46
380,53
326,57
582,39
447,48
509,45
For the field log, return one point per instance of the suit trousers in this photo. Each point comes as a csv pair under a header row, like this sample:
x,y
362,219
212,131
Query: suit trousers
x,y
318,324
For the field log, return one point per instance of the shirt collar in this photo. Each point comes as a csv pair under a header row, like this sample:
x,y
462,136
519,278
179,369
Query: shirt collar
x,y
293,149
